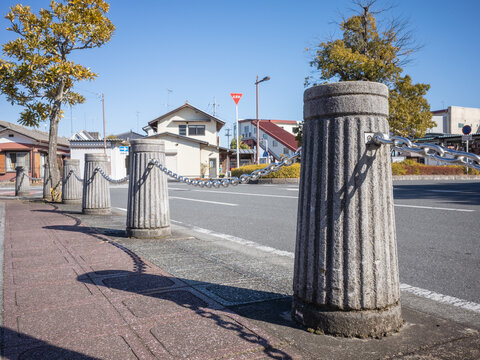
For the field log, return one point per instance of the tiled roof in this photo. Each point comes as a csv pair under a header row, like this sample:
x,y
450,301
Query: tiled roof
x,y
38,135
279,134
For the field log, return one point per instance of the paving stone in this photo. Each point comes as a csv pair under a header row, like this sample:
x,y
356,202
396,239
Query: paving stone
x,y
205,336
216,274
23,253
138,283
52,294
32,276
166,303
73,322
40,261
244,292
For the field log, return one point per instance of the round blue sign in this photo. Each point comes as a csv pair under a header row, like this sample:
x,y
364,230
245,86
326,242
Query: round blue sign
x,y
467,129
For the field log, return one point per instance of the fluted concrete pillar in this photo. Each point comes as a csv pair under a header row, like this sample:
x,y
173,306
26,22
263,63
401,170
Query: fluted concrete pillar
x,y
96,193
71,186
148,214
346,272
47,185
22,182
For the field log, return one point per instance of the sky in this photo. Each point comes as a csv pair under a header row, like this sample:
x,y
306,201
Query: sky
x,y
164,53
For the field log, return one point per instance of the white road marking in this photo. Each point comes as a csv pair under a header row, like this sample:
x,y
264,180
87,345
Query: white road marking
x,y
446,191
249,194
204,201
433,208
237,240
121,209
292,189
464,304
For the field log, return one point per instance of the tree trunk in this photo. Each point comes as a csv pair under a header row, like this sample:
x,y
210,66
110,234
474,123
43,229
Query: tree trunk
x,y
54,171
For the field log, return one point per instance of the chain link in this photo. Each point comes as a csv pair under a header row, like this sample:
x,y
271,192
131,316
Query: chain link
x,y
32,178
109,179
225,182
404,145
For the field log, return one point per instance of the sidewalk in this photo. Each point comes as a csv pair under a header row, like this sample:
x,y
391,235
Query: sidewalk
x,y
72,291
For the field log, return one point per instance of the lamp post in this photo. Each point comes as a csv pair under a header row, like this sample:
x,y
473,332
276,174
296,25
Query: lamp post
x,y
266,78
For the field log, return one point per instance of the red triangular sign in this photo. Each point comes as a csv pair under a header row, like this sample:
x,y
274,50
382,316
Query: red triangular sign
x,y
236,97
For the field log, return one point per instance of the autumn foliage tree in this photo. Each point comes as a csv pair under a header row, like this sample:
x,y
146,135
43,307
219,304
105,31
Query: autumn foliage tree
x,y
37,71
367,53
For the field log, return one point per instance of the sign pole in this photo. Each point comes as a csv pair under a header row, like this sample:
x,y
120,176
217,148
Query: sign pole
x,y
236,98
238,138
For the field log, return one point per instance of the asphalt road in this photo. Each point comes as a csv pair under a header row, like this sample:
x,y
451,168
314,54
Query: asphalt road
x,y
438,226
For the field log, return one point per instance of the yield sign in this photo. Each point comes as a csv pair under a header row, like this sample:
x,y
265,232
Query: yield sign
x,y
236,97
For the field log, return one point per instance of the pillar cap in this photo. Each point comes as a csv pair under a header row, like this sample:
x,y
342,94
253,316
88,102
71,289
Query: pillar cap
x,y
96,157
148,145
71,162
346,98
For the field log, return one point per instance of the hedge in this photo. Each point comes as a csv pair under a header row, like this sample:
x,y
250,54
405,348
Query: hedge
x,y
292,171
407,167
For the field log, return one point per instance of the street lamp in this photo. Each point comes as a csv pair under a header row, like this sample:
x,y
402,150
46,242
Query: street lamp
x,y
266,78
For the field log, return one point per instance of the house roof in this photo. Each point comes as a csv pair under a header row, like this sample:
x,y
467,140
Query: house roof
x,y
154,122
38,135
279,134
286,122
129,134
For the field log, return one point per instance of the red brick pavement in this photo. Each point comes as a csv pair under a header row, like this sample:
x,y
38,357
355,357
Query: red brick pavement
x,y
72,294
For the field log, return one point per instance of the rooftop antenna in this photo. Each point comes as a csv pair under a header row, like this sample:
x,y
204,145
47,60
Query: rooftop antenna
x,y
228,137
169,91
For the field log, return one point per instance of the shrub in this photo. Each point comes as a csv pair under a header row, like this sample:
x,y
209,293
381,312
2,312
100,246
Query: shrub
x,y
398,169
292,171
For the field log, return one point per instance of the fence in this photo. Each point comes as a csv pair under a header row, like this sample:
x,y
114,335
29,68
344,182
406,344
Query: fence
x,y
346,278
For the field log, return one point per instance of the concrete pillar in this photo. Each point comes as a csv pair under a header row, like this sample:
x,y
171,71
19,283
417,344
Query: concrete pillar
x,y
47,185
148,213
71,186
346,271
96,193
22,182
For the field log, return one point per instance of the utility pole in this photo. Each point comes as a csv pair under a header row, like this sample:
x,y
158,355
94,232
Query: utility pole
x,y
214,107
228,137
104,138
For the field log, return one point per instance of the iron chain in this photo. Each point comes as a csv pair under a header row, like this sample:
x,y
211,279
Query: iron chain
x,y
108,178
404,145
225,182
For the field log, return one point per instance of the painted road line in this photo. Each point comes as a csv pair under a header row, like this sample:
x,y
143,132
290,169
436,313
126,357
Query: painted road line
x,y
292,189
446,191
204,201
249,194
236,239
445,299
433,208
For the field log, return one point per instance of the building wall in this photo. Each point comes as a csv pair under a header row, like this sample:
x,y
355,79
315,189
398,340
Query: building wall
x,y
460,116
185,154
117,160
189,117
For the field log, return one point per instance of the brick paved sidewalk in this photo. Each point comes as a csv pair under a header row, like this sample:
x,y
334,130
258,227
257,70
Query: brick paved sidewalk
x,y
72,294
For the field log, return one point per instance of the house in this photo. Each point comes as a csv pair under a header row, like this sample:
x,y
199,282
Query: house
x,y
85,142
276,136
130,135
28,147
191,141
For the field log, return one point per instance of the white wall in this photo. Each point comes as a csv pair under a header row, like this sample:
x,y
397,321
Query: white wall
x,y
460,116
16,138
117,168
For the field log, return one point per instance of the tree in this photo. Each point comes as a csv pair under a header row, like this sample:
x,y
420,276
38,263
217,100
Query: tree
x,y
36,71
369,54
242,145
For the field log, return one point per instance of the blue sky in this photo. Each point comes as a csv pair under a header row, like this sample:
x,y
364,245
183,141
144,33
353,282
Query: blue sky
x,y
204,50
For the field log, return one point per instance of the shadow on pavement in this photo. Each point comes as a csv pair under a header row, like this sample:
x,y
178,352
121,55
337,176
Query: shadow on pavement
x,y
465,193
158,286
36,349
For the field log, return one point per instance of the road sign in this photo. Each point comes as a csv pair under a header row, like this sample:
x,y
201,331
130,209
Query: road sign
x,y
236,97
467,137
265,154
123,149
467,129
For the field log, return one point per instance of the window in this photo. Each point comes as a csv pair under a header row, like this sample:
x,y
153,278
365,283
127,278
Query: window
x,y
274,143
196,129
460,125
14,159
182,130
265,136
245,130
286,151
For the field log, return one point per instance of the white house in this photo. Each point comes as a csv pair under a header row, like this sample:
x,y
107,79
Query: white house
x,y
452,120
84,143
191,140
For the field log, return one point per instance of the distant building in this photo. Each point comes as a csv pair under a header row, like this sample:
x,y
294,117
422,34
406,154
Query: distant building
x,y
86,142
191,141
21,146
452,120
276,136
130,135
